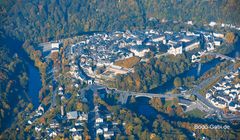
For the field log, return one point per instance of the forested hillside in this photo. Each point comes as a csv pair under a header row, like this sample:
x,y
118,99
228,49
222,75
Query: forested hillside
x,y
13,87
44,20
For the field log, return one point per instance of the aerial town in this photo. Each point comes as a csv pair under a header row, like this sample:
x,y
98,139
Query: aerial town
x,y
119,70
103,50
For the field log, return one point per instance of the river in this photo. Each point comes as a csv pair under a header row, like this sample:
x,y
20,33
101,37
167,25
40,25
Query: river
x,y
34,85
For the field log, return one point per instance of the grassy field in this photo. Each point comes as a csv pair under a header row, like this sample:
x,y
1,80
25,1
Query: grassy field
x,y
128,63
196,113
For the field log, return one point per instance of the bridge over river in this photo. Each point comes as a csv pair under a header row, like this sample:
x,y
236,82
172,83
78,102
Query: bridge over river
x,y
123,95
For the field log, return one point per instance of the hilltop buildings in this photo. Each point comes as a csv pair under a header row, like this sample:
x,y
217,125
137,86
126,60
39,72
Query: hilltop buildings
x,y
102,50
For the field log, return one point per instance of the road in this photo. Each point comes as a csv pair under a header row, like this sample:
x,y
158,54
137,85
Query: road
x,y
198,105
197,89
202,101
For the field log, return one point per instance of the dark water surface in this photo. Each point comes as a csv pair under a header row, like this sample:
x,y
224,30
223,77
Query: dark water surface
x,y
34,85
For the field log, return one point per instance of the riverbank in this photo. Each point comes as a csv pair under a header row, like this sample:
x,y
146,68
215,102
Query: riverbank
x,y
168,86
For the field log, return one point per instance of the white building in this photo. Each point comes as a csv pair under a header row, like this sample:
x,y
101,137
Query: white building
x,y
212,24
54,47
191,46
218,35
190,22
99,131
218,104
139,50
108,135
175,50
158,39
72,115
217,42
98,120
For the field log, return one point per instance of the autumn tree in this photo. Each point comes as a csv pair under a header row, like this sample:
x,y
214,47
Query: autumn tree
x,y
177,82
230,37
156,103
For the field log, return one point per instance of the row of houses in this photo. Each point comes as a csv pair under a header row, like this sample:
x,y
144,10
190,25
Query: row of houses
x,y
226,93
223,25
71,125
77,72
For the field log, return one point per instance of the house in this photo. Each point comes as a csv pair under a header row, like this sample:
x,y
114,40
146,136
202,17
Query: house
x,y
218,35
38,113
146,42
224,99
233,95
212,23
188,46
208,95
49,48
60,88
31,120
98,119
83,117
72,115
139,50
90,81
210,47
227,91
78,123
218,103
108,135
218,42
158,39
54,124
175,49
77,136
60,93
108,116
52,134
54,47
237,85
219,87
79,128
99,131
105,128
189,22
73,129
195,58
38,129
